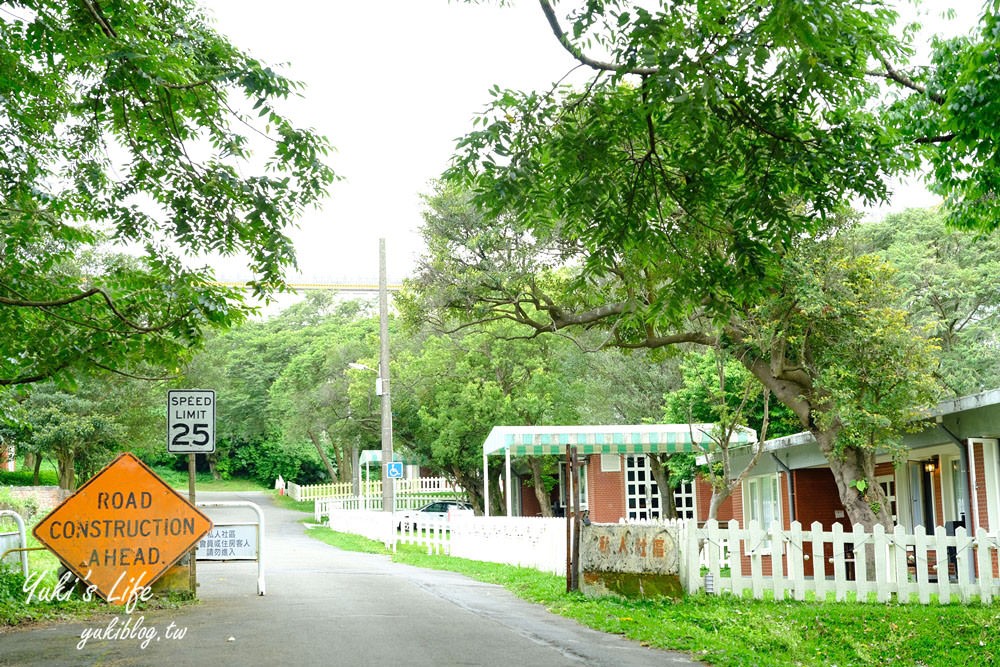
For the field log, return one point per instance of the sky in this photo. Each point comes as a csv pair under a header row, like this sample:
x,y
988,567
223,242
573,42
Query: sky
x,y
392,84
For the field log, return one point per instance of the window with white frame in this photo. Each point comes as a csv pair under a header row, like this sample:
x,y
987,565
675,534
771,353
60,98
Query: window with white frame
x,y
684,498
762,500
888,484
762,505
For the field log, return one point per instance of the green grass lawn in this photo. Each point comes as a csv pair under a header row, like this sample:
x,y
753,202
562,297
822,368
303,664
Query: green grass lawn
x,y
46,477
742,632
178,479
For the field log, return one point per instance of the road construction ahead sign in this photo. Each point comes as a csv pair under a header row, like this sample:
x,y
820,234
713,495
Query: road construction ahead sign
x,y
122,529
191,421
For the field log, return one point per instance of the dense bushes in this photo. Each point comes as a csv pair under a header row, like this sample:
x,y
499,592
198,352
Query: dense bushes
x,y
264,462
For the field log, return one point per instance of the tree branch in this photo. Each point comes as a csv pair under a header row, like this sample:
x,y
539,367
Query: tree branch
x,y
98,15
902,79
550,16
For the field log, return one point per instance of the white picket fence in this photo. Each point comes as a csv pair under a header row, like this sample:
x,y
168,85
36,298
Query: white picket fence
x,y
323,506
799,563
372,489
719,559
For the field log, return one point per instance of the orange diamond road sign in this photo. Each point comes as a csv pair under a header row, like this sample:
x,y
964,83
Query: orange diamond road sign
x,y
122,529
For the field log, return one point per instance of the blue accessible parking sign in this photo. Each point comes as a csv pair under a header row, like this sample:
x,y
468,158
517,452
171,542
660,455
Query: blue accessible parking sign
x,y
394,470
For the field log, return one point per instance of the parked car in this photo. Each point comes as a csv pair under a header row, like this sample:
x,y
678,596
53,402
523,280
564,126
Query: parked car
x,y
435,511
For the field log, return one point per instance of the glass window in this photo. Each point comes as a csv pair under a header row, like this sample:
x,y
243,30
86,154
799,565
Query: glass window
x,y
762,503
762,500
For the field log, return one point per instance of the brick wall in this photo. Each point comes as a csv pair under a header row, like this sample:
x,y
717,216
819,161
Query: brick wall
x,y
606,491
529,504
817,499
731,508
47,497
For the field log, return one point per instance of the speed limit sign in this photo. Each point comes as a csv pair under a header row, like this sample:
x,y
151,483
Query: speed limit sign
x,y
191,421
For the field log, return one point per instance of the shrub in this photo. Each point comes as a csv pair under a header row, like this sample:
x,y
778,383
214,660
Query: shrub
x,y
26,507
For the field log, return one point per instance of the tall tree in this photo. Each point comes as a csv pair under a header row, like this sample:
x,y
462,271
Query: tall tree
x,y
462,385
664,202
951,283
310,398
718,389
829,340
129,123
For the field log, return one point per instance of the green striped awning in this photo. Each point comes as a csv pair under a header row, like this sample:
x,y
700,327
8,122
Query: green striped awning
x,y
634,439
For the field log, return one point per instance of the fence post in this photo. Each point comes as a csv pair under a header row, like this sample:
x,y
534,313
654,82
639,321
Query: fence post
x,y
796,561
862,547
777,539
883,564
901,572
941,540
963,565
838,558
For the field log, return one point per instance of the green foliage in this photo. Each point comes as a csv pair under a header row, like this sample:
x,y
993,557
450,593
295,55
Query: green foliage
x,y
266,460
699,153
125,128
481,380
22,477
949,109
700,399
284,382
950,280
26,507
840,320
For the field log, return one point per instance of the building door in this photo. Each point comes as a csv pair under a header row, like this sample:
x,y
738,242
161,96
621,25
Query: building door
x,y
921,496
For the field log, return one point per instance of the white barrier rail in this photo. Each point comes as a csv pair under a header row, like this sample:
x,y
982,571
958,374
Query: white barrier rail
x,y
22,540
260,532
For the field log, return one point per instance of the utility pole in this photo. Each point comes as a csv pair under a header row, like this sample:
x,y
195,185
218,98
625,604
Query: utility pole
x,y
388,497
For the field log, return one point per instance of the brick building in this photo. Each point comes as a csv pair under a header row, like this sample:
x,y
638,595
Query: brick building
x,y
950,475
615,479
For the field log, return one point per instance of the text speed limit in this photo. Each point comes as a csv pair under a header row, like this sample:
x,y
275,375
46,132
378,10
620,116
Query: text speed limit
x,y
191,421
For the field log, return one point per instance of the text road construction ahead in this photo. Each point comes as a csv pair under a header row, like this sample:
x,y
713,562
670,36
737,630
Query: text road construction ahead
x,y
123,527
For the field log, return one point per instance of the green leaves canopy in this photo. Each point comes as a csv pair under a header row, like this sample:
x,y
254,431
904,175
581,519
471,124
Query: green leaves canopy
x,y
133,118
718,133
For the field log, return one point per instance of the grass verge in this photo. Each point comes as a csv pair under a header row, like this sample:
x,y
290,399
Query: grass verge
x,y
735,632
178,479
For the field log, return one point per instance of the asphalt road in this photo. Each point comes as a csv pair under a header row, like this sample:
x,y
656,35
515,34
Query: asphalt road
x,y
326,607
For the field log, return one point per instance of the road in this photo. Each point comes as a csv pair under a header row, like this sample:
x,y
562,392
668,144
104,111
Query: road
x,y
326,607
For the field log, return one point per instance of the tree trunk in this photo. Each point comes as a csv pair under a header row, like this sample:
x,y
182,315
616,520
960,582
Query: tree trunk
x,y
36,469
536,481
322,455
718,497
472,485
854,473
661,475
338,456
211,458
67,477
29,462
498,506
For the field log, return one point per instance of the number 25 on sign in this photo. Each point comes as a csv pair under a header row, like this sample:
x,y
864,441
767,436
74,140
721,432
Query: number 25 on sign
x,y
191,421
